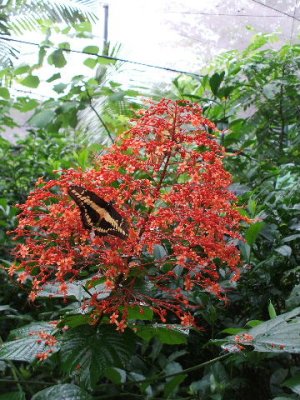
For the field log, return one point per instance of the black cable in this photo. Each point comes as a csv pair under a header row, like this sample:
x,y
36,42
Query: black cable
x,y
276,9
223,14
178,71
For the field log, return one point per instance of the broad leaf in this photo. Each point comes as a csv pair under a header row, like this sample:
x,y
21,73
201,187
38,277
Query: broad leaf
x,y
76,289
253,231
42,118
31,81
91,50
116,375
215,82
25,343
57,59
67,391
4,93
90,351
284,250
139,313
293,383
280,334
167,334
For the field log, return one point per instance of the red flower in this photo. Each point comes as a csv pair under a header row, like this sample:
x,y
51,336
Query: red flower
x,y
166,178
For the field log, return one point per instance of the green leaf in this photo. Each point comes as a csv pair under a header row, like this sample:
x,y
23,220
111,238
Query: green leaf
x,y
83,158
245,250
294,298
31,81
293,383
116,375
57,59
233,331
22,69
27,330
253,231
291,238
42,118
284,250
140,313
172,385
90,351
171,334
75,289
64,46
215,82
91,50
25,104
280,334
271,310
28,346
54,77
254,322
75,320
60,87
13,396
90,62
4,93
66,391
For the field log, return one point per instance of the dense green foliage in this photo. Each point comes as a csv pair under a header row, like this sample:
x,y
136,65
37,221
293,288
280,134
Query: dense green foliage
x,y
253,96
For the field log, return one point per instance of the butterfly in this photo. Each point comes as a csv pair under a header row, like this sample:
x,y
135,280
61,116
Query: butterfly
x,y
98,215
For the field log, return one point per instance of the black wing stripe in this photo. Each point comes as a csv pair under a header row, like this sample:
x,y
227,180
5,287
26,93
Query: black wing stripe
x,y
97,214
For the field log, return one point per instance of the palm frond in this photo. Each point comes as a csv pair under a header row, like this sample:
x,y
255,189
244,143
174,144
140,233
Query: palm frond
x,y
69,11
7,51
22,15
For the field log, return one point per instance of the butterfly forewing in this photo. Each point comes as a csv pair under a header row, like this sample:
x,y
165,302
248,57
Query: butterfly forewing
x,y
97,214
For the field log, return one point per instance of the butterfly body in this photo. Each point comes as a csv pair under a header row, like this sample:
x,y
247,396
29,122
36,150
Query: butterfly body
x,y
97,214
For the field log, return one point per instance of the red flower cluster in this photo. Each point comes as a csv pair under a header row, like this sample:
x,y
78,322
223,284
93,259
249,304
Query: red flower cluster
x,y
166,178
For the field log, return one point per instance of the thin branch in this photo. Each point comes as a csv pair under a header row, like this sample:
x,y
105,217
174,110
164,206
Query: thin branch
x,y
99,116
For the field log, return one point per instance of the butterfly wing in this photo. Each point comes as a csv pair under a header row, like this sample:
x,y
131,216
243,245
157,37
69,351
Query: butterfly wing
x,y
97,214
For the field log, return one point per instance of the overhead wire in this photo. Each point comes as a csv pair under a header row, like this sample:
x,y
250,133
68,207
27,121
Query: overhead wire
x,y
222,14
276,9
178,71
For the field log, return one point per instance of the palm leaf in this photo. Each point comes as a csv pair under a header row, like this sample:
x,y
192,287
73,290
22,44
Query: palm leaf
x,y
19,16
7,52
68,11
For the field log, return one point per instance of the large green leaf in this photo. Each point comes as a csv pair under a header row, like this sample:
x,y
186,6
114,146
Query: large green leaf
x,y
253,231
293,384
4,93
90,351
42,118
25,331
75,289
215,82
167,334
57,59
26,344
280,334
31,81
67,391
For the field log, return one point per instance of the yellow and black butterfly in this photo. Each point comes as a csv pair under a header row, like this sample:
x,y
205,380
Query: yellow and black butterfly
x,y
98,215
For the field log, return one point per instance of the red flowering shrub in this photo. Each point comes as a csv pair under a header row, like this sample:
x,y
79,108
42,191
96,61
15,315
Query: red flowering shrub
x,y
166,178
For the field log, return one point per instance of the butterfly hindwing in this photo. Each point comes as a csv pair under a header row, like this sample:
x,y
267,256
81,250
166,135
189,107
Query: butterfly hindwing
x,y
97,214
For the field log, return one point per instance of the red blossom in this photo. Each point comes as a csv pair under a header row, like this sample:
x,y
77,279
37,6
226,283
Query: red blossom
x,y
166,178
244,338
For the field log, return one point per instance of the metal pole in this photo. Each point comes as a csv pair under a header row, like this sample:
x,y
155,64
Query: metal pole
x,y
105,35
